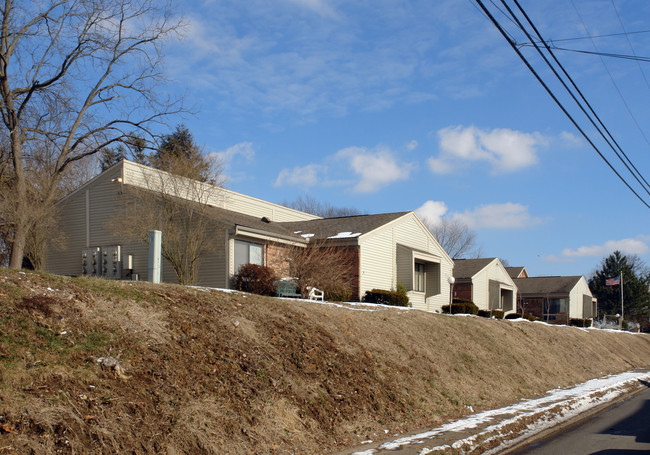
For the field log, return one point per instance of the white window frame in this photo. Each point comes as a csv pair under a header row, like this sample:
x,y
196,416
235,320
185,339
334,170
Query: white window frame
x,y
247,245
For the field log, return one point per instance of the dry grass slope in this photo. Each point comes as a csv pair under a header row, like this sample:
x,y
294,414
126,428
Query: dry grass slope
x,y
214,372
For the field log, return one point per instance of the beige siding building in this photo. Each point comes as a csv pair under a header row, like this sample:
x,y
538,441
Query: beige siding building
x,y
556,298
486,282
387,250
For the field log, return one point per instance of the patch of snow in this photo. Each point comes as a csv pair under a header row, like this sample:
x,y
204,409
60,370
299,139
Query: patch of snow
x,y
345,235
307,236
575,400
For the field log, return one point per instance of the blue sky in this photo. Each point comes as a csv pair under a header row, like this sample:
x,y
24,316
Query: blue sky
x,y
417,105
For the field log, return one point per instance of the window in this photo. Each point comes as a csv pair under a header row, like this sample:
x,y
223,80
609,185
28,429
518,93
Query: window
x,y
419,277
247,253
557,306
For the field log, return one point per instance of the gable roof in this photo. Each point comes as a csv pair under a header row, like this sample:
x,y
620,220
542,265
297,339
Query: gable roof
x,y
515,272
546,284
341,227
467,268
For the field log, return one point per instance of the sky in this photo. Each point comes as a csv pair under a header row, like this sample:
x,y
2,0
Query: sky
x,y
388,105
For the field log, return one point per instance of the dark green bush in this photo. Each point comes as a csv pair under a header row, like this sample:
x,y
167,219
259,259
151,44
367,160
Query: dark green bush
x,y
257,279
461,306
497,314
384,297
580,322
527,316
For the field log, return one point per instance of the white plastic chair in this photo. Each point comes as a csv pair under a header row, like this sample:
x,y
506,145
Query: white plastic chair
x,y
315,294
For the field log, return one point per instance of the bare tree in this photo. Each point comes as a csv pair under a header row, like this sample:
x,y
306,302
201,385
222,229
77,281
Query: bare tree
x,y
74,77
178,207
455,237
308,204
325,266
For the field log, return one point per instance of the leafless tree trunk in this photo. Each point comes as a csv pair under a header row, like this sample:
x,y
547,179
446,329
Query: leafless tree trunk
x,y
75,76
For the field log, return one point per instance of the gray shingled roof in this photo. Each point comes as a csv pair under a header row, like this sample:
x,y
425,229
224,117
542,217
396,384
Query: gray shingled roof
x,y
467,268
228,217
546,284
514,271
329,227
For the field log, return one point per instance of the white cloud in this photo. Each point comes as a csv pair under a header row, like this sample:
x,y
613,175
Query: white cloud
x,y
376,168
431,212
637,245
304,176
504,149
243,149
498,216
412,145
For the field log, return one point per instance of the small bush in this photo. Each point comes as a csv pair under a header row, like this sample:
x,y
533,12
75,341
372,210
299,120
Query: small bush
x,y
527,316
401,289
496,314
575,322
461,306
340,293
386,297
257,279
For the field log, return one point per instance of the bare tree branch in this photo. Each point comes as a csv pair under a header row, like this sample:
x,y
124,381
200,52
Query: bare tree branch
x,y
75,77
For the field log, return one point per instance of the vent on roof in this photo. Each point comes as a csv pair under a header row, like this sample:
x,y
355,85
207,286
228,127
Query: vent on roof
x,y
266,219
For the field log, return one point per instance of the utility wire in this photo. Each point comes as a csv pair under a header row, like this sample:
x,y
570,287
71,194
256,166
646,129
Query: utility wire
x,y
581,51
620,94
629,43
513,44
592,36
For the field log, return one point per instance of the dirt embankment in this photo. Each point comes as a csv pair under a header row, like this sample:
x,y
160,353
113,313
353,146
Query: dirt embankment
x,y
224,373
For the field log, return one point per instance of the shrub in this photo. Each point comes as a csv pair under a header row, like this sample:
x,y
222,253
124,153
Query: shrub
x,y
257,279
461,306
497,314
580,322
341,293
386,297
527,316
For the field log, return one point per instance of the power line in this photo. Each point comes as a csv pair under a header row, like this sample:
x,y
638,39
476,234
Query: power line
x,y
579,38
554,97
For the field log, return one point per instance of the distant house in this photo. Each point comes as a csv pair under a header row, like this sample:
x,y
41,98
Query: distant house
x,y
485,282
556,298
387,249
517,272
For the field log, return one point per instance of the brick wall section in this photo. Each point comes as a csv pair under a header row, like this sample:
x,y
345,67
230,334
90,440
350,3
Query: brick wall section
x,y
463,291
534,306
276,258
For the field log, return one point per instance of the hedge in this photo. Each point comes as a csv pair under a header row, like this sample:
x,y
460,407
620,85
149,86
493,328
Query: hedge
x,y
384,297
527,316
496,314
461,306
580,322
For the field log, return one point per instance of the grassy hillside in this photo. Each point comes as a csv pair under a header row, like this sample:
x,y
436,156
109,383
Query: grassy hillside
x,y
213,372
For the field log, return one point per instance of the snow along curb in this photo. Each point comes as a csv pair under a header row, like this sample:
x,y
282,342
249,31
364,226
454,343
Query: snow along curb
x,y
503,428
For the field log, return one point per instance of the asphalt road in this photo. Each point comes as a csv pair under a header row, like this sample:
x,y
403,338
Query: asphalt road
x,y
622,429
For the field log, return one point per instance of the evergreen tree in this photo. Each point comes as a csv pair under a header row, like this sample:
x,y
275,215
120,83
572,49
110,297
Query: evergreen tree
x,y
132,148
180,155
636,296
